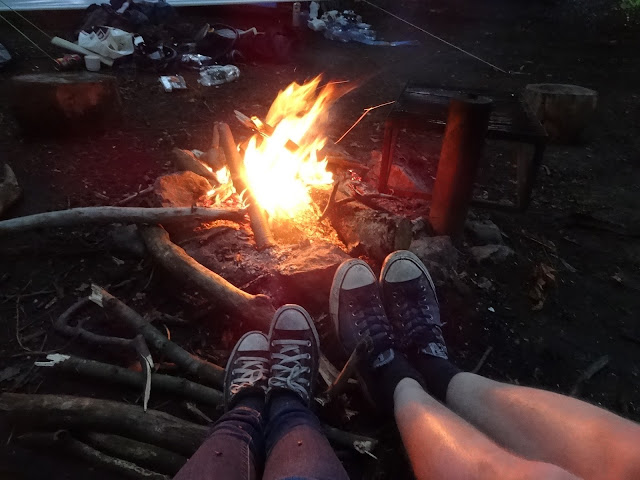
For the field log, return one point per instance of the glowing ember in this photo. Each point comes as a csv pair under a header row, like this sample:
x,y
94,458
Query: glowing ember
x,y
279,177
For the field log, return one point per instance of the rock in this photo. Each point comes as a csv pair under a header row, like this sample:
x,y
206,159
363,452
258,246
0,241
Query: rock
x,y
10,191
307,273
182,189
484,232
491,253
398,177
438,254
563,110
127,239
65,103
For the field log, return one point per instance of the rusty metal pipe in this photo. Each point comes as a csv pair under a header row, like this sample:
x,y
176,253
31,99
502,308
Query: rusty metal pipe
x,y
467,125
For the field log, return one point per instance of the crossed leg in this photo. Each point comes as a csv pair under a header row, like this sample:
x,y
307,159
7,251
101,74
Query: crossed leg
x,y
440,444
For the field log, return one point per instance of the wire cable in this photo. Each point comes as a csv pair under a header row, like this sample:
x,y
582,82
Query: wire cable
x,y
27,20
25,36
440,39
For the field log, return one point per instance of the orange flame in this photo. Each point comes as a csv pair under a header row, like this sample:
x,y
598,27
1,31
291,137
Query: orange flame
x,y
280,176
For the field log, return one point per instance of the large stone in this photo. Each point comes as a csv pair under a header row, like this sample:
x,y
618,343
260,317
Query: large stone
x,y
491,253
182,189
65,103
483,232
438,254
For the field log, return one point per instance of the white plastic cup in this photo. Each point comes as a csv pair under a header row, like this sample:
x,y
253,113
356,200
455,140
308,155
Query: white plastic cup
x,y
92,62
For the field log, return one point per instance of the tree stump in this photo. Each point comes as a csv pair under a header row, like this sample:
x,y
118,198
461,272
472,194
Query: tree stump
x,y
563,110
65,103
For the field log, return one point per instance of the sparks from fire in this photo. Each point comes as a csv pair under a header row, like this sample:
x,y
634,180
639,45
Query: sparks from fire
x,y
280,178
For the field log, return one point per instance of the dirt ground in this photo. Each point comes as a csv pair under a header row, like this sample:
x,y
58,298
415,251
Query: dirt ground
x,y
584,221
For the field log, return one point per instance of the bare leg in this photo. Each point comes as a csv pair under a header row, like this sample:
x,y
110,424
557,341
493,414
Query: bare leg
x,y
588,441
442,445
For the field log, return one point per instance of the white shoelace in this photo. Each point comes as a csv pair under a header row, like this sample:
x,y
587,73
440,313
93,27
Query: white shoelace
x,y
253,369
287,371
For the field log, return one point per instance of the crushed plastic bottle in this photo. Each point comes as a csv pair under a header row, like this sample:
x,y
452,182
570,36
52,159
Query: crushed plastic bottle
x,y
218,74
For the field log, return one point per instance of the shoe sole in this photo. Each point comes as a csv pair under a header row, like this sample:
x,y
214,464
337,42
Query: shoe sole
x,y
334,295
406,255
312,325
227,370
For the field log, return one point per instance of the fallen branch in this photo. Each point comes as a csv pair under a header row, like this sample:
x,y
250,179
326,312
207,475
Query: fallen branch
x,y
106,215
148,456
205,371
589,372
256,310
153,427
123,376
346,373
361,444
483,359
64,441
259,225
90,414
129,198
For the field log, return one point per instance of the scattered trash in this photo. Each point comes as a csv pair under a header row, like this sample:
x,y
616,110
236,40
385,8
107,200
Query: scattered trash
x,y
173,82
107,41
5,56
544,279
491,309
348,27
70,61
92,63
195,61
218,74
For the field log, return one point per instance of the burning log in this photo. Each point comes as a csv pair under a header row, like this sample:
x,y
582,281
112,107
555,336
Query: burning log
x,y
186,161
257,310
366,231
123,376
208,372
257,215
106,215
91,414
64,441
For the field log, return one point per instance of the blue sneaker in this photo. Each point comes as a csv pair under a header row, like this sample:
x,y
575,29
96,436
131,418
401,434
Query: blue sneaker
x,y
357,312
294,351
248,367
411,303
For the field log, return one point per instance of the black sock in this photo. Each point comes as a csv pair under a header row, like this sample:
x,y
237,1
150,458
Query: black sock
x,y
382,381
437,373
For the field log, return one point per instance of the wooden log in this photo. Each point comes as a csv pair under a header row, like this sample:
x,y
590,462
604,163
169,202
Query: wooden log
x,y
91,414
256,310
62,440
257,216
563,110
152,426
105,215
148,456
65,103
187,161
122,376
203,370
366,231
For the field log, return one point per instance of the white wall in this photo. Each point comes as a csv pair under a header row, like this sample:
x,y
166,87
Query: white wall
x,y
82,4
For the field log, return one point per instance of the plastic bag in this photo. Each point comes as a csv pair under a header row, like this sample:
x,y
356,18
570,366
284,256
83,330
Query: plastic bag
x,y
5,56
107,41
218,74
